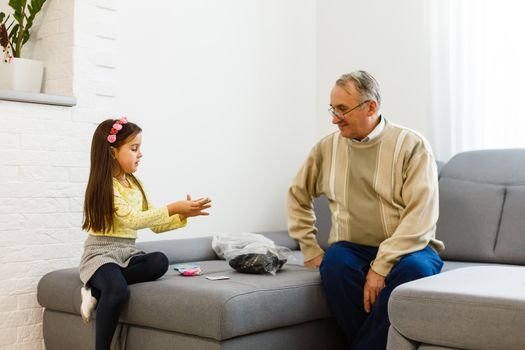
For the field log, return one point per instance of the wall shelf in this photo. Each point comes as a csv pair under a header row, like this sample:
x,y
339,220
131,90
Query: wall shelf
x,y
31,97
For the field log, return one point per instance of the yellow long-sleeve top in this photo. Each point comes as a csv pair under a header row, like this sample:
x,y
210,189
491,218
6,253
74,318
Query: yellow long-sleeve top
x,y
382,193
129,214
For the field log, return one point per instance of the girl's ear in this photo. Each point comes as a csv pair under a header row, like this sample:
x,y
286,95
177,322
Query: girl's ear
x,y
113,151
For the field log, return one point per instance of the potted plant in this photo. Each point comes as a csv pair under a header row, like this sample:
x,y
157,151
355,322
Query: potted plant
x,y
18,73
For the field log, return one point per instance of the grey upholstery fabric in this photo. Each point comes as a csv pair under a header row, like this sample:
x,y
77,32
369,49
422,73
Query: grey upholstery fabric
x,y
73,334
482,201
281,238
470,308
397,342
66,331
213,309
469,216
500,167
323,221
181,250
310,335
510,244
195,249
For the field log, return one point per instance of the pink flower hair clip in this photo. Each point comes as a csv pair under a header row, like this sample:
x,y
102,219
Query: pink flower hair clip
x,y
112,137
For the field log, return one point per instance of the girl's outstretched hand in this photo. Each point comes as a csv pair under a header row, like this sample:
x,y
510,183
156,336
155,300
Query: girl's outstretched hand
x,y
188,208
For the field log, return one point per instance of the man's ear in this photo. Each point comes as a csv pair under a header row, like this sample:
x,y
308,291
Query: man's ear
x,y
372,107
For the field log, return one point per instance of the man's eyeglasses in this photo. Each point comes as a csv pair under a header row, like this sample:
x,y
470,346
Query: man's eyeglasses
x,y
341,115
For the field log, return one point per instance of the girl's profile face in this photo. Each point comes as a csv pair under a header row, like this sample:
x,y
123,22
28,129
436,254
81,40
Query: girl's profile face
x,y
128,155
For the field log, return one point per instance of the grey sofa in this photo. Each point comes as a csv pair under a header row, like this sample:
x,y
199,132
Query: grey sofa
x,y
478,301
286,311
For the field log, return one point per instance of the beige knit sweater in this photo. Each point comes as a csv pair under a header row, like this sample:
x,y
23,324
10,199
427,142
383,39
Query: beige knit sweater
x,y
382,193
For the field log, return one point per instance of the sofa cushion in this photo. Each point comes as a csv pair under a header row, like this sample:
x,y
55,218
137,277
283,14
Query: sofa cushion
x,y
220,309
469,217
500,167
510,243
470,308
482,198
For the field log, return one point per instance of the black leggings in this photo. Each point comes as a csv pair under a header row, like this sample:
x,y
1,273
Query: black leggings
x,y
110,287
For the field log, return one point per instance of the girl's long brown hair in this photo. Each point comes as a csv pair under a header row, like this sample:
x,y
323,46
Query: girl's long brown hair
x,y
98,201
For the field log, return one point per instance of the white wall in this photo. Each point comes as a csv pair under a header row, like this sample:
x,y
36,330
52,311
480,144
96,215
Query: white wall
x,y
225,94
4,6
387,38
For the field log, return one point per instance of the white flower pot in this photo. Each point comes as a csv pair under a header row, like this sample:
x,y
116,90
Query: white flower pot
x,y
21,75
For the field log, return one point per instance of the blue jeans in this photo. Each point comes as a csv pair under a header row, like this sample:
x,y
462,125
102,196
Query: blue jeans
x,y
343,272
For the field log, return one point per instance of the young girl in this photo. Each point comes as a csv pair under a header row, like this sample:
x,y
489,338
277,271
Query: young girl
x,y
115,207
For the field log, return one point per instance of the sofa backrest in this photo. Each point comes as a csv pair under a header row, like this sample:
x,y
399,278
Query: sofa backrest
x,y
181,250
482,207
199,248
323,220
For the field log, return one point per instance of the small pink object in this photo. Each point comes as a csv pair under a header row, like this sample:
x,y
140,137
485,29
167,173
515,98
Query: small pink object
x,y
112,138
117,126
192,272
123,120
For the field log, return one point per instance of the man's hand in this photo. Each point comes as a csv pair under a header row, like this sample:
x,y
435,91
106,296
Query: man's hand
x,y
373,285
315,262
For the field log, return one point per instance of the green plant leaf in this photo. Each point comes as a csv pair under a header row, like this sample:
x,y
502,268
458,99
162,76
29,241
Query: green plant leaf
x,y
18,17
26,37
29,24
2,15
24,13
14,32
15,4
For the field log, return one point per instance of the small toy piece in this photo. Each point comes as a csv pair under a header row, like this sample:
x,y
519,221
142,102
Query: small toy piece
x,y
188,269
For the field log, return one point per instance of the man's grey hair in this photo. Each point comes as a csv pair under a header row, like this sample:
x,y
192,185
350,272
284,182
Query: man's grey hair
x,y
365,84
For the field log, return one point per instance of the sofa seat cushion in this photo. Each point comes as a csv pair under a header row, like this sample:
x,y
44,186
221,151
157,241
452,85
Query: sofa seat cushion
x,y
219,309
479,307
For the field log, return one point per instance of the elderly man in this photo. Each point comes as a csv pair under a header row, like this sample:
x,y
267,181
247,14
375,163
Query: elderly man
x,y
381,183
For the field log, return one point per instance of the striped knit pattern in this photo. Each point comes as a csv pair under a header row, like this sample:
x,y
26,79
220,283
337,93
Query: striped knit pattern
x,y
381,193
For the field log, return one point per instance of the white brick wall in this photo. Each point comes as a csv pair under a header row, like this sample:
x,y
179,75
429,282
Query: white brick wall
x,y
44,159
53,43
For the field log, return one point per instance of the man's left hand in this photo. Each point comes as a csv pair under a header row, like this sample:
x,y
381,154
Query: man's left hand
x,y
373,285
